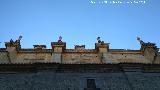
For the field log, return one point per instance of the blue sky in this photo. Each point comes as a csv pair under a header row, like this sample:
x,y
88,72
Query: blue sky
x,y
79,22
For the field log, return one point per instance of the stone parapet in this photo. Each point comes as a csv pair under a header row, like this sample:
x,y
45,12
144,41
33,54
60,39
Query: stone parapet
x,y
59,54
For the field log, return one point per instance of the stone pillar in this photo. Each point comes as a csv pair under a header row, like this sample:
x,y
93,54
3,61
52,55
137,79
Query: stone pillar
x,y
12,47
102,49
150,51
58,49
12,54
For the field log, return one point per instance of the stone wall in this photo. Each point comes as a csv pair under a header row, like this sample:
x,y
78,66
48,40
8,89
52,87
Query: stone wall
x,y
125,58
80,58
76,57
78,81
59,54
157,59
33,57
4,57
105,58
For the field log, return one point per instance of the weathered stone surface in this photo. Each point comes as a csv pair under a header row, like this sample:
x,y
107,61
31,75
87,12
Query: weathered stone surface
x,y
101,54
57,57
4,57
79,69
77,81
80,58
74,76
125,58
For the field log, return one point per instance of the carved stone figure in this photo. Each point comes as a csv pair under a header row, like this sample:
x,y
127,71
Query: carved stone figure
x,y
99,39
14,44
11,41
19,38
139,39
60,39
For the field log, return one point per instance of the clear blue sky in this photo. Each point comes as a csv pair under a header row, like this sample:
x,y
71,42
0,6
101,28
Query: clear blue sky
x,y
79,22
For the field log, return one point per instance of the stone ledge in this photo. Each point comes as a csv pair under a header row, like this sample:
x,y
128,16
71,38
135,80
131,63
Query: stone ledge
x,y
81,68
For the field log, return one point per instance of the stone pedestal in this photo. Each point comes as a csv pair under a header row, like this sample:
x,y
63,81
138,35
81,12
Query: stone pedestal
x,y
12,54
102,47
150,51
58,48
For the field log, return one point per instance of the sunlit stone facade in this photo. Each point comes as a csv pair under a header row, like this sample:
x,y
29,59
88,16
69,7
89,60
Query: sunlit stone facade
x,y
59,68
13,53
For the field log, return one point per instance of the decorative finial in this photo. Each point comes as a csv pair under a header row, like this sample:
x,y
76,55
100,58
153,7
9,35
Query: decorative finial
x,y
60,39
99,39
11,41
20,37
139,39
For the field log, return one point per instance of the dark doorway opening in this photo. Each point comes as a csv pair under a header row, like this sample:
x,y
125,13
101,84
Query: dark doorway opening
x,y
91,85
